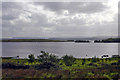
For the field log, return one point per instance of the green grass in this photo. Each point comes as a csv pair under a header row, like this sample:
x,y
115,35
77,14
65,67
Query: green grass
x,y
76,65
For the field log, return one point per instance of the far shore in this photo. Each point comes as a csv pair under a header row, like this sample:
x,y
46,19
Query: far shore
x,y
109,40
31,40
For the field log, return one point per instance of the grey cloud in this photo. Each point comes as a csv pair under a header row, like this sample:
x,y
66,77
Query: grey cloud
x,y
66,27
74,22
21,27
10,17
11,10
74,7
11,5
39,19
83,31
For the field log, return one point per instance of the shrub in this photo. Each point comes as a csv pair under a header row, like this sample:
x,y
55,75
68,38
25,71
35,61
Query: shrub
x,y
68,60
114,63
48,61
119,62
53,58
46,57
83,63
14,66
31,58
94,60
46,65
84,60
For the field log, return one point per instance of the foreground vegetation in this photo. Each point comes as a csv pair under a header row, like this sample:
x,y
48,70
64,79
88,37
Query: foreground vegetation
x,y
50,66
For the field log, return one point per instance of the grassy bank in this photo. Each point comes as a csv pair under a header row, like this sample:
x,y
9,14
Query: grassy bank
x,y
65,67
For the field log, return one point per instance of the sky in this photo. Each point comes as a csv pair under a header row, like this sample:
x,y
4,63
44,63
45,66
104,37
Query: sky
x,y
59,19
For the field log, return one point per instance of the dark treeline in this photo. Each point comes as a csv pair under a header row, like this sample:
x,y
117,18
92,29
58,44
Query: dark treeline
x,y
31,40
83,41
109,40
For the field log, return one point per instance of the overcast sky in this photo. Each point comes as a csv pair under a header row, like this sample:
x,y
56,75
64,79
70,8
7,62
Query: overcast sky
x,y
59,19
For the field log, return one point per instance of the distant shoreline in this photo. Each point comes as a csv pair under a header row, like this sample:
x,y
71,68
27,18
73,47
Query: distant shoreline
x,y
58,41
109,40
30,40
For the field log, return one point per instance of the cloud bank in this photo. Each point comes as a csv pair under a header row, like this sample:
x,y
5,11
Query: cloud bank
x,y
59,19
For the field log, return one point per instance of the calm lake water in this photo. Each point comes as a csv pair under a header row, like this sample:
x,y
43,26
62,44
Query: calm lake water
x,y
23,49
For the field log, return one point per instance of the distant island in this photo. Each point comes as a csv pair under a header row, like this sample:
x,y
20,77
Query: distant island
x,y
109,40
30,40
82,41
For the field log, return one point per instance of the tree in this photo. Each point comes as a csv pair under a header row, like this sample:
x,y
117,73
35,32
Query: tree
x,y
31,58
68,60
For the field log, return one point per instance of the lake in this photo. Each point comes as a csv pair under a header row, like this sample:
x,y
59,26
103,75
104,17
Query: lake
x,y
79,50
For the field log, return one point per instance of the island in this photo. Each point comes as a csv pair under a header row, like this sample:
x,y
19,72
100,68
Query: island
x,y
30,40
109,40
82,41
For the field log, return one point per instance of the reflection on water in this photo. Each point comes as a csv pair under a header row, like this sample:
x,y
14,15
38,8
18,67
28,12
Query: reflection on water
x,y
22,49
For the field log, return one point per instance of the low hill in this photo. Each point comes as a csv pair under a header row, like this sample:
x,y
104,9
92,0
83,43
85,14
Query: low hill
x,y
109,40
31,40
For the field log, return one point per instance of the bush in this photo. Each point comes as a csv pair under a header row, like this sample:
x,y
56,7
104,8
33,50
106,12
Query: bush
x,y
83,63
68,60
94,60
31,58
53,58
114,63
46,65
46,57
119,62
84,60
14,66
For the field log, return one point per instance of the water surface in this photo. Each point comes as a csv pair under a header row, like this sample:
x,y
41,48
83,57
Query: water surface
x,y
22,49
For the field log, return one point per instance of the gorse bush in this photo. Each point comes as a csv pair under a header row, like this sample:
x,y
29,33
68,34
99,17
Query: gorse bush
x,y
53,58
46,57
46,65
31,58
68,60
47,61
10,65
